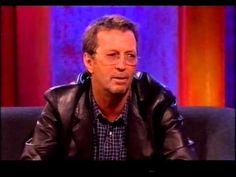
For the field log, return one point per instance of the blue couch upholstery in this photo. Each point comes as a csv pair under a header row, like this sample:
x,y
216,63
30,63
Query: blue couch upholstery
x,y
212,130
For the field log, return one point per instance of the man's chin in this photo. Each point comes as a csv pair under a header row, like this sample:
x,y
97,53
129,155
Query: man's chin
x,y
119,90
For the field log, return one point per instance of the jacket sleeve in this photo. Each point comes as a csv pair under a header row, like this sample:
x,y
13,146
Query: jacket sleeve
x,y
43,143
177,145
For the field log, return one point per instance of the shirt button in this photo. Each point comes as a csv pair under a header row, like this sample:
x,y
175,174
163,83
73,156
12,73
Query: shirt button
x,y
110,133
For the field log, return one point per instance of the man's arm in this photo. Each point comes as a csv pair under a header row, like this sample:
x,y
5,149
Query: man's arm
x,y
174,143
177,145
42,145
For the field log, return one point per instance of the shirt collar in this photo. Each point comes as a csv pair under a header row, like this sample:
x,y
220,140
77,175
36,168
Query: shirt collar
x,y
122,118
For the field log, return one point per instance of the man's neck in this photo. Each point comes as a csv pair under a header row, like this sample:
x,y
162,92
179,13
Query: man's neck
x,y
111,105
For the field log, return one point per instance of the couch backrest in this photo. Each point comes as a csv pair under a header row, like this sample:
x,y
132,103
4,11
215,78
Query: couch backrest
x,y
212,130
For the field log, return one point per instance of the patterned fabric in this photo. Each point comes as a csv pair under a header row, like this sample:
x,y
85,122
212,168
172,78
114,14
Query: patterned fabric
x,y
109,138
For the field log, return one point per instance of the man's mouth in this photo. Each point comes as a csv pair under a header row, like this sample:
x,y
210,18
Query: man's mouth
x,y
120,80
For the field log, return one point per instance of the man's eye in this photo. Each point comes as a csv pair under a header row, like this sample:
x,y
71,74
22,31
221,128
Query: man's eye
x,y
112,54
131,55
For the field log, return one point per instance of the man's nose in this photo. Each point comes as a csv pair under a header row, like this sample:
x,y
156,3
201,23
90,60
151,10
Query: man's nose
x,y
121,63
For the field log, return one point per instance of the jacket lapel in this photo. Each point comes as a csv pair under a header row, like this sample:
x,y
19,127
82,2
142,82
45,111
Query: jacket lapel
x,y
82,130
138,145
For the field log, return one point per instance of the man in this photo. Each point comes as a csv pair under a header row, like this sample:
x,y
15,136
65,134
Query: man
x,y
112,112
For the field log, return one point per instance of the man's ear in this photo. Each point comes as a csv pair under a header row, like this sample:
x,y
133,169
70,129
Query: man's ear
x,y
88,62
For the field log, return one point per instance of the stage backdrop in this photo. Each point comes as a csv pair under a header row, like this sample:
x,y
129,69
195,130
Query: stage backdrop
x,y
188,49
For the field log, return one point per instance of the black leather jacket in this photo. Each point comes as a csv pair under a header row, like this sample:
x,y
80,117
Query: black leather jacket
x,y
155,128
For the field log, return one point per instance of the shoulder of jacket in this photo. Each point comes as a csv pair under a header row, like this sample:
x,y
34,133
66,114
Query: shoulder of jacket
x,y
150,88
60,89
61,93
145,78
67,92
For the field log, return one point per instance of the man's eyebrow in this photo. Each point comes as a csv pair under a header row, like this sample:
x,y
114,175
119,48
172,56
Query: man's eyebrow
x,y
133,51
114,50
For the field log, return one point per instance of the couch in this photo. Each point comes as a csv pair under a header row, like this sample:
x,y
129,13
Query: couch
x,y
212,130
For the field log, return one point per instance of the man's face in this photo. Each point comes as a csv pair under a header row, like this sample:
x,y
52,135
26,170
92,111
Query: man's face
x,y
113,78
